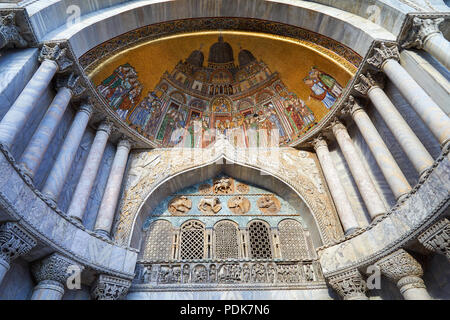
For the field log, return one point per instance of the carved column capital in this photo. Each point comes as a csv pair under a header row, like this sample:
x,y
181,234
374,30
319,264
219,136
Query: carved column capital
x,y
9,32
106,126
383,53
14,241
368,81
421,31
109,288
349,285
437,237
57,55
87,108
319,142
53,268
351,106
71,82
124,143
336,125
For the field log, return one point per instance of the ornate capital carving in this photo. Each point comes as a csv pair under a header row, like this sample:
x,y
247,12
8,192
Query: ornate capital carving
x,y
124,143
109,288
384,53
399,265
71,82
87,108
368,81
318,142
349,285
9,32
422,30
56,54
437,237
351,106
105,126
337,125
14,241
53,268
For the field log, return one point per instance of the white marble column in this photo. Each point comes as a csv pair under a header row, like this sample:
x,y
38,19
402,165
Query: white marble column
x,y
53,60
14,242
105,216
57,176
401,268
343,206
39,143
386,162
386,59
86,182
366,188
411,145
51,274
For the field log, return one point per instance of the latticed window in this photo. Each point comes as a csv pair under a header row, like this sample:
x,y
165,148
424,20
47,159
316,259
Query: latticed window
x,y
192,240
158,245
259,236
292,240
226,244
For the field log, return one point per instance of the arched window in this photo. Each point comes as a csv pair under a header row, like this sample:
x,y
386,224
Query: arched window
x,y
259,237
292,240
226,240
192,244
158,244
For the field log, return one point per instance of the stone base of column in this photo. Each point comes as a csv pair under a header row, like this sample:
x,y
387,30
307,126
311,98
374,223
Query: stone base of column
x,y
413,288
48,290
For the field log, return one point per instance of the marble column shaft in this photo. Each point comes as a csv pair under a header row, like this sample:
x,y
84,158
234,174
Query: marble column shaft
x,y
336,188
372,200
411,145
36,148
15,119
438,47
48,290
431,114
57,177
386,162
105,216
86,182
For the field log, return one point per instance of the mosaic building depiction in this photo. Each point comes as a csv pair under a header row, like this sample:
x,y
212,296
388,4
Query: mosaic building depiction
x,y
182,150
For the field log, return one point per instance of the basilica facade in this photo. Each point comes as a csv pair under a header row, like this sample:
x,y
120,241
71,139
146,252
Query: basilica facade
x,y
203,149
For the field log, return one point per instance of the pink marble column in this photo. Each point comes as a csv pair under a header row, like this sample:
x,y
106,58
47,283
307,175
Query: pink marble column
x,y
105,215
86,182
371,198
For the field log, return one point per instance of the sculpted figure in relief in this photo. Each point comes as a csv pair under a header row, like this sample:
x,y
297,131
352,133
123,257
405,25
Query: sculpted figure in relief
x,y
239,205
180,205
223,186
269,204
210,205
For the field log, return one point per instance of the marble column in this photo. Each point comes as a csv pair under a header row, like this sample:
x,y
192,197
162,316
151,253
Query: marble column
x,y
350,285
39,143
109,288
343,206
14,242
401,268
51,274
437,238
53,60
366,188
86,182
425,34
386,59
386,162
105,216
419,156
57,176
9,32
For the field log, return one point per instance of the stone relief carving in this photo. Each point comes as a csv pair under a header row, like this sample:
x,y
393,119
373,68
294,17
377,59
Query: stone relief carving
x,y
53,268
210,205
9,32
437,237
14,241
239,205
199,274
269,204
242,188
223,186
349,285
109,288
421,31
57,55
180,205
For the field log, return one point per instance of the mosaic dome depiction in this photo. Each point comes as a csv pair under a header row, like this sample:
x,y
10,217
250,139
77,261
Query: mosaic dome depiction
x,y
224,149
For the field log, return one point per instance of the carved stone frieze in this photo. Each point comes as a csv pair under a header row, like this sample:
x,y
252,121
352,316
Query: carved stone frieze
x,y
56,54
422,29
384,52
437,237
109,288
53,268
14,241
349,285
10,33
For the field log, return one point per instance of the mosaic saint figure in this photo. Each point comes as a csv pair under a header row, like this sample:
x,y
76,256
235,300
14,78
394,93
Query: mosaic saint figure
x,y
143,111
323,87
173,120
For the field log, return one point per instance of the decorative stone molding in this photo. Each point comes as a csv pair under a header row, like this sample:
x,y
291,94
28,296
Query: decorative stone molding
x,y
422,29
56,54
109,288
385,52
124,143
437,237
9,32
72,82
319,142
87,108
351,106
53,268
105,126
14,241
368,81
349,285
